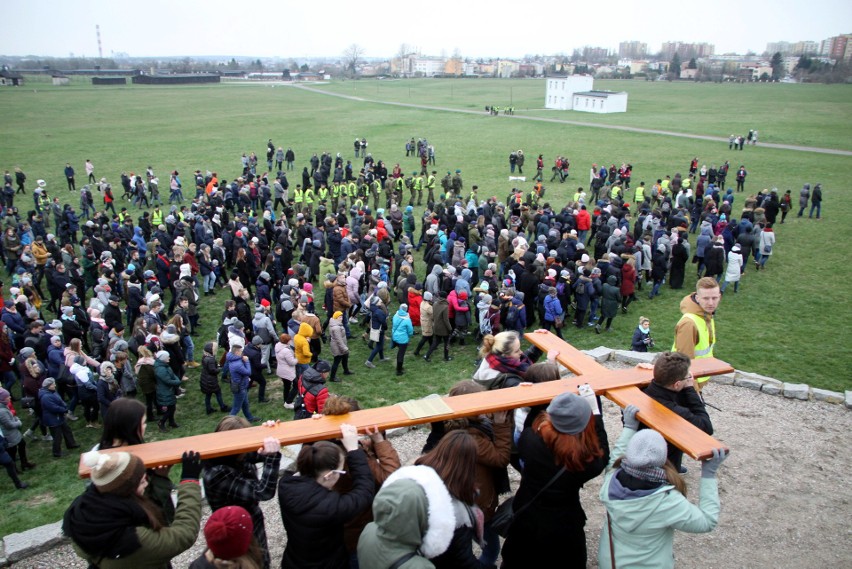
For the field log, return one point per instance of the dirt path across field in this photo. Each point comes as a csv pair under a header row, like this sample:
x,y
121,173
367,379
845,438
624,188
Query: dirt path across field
x,y
785,490
793,147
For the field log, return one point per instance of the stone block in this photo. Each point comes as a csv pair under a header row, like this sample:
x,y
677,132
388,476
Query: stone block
x,y
827,395
19,546
755,377
600,354
771,389
724,379
849,399
800,391
634,358
748,383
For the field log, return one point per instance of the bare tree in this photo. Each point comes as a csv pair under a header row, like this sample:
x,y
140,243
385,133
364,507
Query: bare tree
x,y
352,57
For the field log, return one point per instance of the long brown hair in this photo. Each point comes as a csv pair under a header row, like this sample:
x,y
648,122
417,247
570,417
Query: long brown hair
x,y
672,475
573,452
454,459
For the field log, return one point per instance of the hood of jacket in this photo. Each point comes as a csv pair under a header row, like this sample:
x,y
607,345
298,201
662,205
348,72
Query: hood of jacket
x,y
305,330
414,508
311,377
634,507
689,306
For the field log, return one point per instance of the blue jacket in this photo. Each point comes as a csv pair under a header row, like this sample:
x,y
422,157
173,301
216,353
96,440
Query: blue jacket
x,y
552,308
378,318
240,371
53,408
55,360
403,329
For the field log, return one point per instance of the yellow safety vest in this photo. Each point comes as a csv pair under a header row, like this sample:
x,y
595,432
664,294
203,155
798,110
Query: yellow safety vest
x,y
156,217
309,196
704,348
298,195
639,194
613,193
418,183
323,194
430,182
353,189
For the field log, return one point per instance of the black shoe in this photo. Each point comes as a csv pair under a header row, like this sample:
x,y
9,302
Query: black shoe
x,y
76,445
682,469
448,358
225,409
264,400
209,411
162,427
255,420
335,380
348,373
426,358
174,425
400,372
21,485
60,455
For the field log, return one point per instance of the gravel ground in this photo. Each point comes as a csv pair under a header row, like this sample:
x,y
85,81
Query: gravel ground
x,y
784,490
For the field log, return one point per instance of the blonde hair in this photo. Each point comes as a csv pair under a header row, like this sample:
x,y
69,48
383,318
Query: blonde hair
x,y
499,344
644,319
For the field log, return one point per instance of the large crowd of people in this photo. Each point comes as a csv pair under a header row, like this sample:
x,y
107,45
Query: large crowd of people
x,y
103,311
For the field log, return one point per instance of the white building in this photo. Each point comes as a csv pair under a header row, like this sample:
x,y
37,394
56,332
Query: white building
x,y
600,102
560,90
576,93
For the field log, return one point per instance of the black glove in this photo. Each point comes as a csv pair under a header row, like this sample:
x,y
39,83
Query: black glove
x,y
191,466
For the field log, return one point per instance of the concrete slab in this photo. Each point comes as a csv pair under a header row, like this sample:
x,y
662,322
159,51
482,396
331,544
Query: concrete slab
x,y
630,357
800,391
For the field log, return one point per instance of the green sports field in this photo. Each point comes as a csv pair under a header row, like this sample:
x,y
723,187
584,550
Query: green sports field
x,y
786,322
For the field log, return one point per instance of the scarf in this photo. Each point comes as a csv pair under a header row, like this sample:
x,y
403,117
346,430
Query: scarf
x,y
104,525
649,473
508,365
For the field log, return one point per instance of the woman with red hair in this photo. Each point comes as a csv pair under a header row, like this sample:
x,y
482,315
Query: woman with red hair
x,y
565,447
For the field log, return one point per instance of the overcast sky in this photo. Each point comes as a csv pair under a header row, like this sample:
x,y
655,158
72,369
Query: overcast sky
x,y
475,28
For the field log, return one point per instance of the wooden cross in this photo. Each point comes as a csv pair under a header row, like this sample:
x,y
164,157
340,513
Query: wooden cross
x,y
621,386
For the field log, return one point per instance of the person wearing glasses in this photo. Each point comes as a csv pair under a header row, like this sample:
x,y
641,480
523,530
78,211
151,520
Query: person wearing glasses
x,y
674,387
313,513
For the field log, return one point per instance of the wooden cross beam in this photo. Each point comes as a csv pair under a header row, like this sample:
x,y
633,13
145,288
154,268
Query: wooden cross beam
x,y
620,386
677,430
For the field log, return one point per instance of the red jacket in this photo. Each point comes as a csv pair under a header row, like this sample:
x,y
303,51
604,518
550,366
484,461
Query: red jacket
x,y
584,220
414,300
628,280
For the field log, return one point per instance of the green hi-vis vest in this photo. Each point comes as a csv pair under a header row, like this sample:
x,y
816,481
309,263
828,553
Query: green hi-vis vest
x,y
298,195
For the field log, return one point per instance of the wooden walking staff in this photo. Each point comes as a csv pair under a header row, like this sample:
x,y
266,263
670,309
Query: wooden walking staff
x,y
619,385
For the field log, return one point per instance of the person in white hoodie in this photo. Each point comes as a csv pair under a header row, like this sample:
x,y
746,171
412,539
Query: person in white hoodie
x,y
734,270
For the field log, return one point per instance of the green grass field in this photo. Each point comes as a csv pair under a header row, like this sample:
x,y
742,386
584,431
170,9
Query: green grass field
x,y
785,322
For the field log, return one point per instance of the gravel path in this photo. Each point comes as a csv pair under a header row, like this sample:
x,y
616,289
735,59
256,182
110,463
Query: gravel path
x,y
785,489
623,128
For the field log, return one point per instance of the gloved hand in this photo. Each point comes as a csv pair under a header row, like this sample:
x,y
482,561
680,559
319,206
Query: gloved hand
x,y
191,465
630,420
711,465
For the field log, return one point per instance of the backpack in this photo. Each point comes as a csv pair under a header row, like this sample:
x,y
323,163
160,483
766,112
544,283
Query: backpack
x,y
300,410
512,317
485,326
